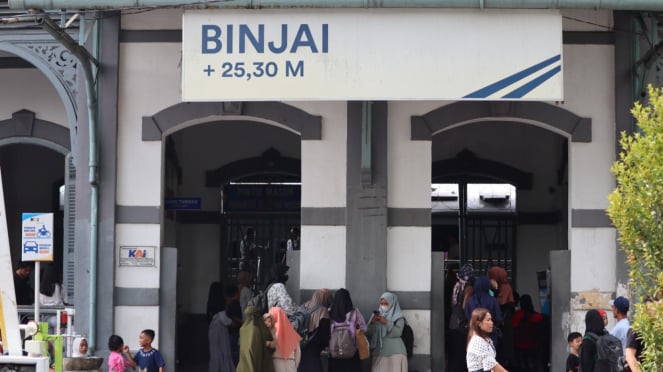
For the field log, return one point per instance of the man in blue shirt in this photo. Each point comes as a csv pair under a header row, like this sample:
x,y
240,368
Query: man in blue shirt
x,y
619,309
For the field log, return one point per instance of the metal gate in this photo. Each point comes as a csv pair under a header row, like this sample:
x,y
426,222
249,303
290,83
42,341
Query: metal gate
x,y
488,241
271,234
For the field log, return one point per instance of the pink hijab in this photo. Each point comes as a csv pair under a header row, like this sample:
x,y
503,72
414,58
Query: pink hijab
x,y
287,339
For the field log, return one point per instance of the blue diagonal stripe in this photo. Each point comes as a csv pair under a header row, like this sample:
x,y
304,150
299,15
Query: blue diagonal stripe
x,y
492,88
521,91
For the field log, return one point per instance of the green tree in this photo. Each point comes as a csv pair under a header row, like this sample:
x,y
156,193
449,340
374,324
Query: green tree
x,y
636,210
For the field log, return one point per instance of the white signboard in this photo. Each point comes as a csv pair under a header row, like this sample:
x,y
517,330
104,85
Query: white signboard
x,y
137,256
37,244
371,54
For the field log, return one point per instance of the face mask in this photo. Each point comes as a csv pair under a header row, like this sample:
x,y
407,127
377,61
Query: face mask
x,y
384,308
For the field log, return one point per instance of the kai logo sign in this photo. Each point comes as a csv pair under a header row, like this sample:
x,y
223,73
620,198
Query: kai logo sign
x,y
137,256
371,54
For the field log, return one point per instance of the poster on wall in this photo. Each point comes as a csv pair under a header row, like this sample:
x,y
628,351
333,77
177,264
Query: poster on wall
x,y
37,237
137,256
371,54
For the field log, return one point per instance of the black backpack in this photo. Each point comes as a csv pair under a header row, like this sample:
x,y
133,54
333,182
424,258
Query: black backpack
x,y
408,338
457,321
609,352
259,301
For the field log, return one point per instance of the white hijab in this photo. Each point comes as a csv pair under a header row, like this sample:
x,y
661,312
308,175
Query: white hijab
x,y
76,346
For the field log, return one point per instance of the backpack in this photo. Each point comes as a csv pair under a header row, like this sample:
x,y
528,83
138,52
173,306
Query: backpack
x,y
457,321
259,301
300,319
408,338
342,343
608,351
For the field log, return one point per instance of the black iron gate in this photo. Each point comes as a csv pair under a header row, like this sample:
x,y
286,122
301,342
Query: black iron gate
x,y
489,240
271,234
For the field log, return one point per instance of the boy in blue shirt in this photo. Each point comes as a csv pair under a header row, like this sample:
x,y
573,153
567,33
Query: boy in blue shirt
x,y
148,359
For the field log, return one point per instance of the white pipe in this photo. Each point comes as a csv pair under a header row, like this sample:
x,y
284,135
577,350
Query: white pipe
x,y
651,5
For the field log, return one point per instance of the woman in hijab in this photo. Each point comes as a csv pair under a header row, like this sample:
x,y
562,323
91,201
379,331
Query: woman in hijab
x,y
458,324
220,356
277,295
318,331
343,313
384,332
215,300
287,353
481,298
507,306
593,329
528,328
254,338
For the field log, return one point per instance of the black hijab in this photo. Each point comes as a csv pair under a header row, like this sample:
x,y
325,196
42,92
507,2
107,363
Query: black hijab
x,y
526,304
215,300
594,322
341,306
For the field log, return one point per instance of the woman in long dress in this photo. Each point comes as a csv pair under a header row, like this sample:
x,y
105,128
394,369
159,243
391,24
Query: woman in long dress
x,y
254,354
287,353
384,331
220,358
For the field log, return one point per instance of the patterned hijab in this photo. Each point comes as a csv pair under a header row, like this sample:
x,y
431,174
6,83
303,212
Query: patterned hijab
x,y
287,339
464,275
320,297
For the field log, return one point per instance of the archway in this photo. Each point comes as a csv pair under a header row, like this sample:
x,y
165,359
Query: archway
x,y
213,154
524,144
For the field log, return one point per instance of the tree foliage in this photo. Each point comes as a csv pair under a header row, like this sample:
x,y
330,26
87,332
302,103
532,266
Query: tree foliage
x,y
636,210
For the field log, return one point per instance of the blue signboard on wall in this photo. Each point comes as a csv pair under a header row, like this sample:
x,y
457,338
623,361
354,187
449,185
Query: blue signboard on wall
x,y
261,198
183,203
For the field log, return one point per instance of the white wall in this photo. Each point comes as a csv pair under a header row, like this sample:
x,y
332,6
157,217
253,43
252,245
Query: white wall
x,y
30,90
324,161
147,235
322,260
589,91
143,91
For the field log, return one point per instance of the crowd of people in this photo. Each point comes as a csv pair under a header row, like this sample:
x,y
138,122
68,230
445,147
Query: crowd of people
x,y
272,340
491,328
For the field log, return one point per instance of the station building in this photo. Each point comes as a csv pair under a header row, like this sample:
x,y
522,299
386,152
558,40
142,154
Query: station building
x,y
400,142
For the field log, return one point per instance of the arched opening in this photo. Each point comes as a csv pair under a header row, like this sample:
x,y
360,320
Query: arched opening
x,y
228,184
512,182
36,143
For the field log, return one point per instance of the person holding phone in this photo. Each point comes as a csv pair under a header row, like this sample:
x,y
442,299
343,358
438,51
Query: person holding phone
x,y
384,332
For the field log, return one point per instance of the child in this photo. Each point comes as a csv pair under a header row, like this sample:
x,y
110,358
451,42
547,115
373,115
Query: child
x,y
147,358
116,361
573,360
80,347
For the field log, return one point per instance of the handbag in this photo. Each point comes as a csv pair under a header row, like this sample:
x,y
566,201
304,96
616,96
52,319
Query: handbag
x,y
363,346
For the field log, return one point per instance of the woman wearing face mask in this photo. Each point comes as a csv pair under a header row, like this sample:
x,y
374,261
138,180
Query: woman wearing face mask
x,y
384,332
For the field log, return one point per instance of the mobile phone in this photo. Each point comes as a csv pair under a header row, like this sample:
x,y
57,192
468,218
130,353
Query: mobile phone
x,y
376,312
